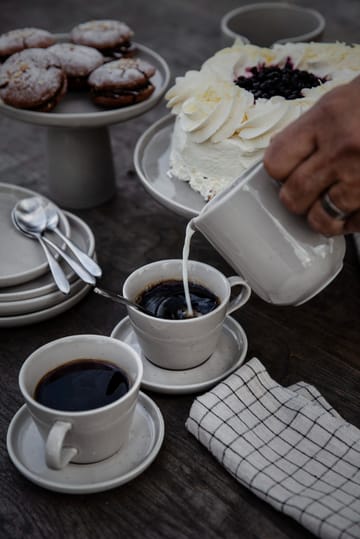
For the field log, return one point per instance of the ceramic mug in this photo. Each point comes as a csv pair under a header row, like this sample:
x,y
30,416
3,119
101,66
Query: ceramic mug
x,y
284,261
182,344
90,435
264,24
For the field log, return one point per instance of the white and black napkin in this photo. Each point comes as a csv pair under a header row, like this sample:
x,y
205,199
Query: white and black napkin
x,y
287,445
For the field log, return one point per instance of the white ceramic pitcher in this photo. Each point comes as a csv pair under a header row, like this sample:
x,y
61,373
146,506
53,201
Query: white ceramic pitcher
x,y
282,259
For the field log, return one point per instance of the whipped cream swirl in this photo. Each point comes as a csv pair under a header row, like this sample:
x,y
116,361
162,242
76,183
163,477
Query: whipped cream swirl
x,y
216,117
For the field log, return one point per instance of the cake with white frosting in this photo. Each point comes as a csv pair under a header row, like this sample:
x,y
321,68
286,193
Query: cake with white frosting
x,y
227,112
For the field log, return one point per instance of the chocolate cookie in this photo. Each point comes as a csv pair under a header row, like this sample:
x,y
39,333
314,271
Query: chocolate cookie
x,y
78,61
108,36
32,79
121,83
127,50
23,38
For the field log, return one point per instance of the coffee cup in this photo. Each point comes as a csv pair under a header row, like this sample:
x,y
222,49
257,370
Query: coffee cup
x,y
186,343
89,435
267,23
284,261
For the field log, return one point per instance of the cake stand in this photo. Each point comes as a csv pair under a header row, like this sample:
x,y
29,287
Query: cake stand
x,y
80,161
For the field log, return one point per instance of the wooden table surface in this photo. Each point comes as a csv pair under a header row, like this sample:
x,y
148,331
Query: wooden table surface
x,y
185,493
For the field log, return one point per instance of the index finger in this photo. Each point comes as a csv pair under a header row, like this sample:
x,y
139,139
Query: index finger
x,y
289,148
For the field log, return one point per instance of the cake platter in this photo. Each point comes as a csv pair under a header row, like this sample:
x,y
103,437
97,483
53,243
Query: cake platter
x,y
151,161
80,162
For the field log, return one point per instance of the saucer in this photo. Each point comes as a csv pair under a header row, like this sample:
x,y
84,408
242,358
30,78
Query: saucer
x,y
151,162
39,303
228,356
26,451
45,314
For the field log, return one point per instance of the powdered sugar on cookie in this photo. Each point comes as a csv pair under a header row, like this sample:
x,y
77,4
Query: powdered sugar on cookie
x,y
101,34
24,38
30,78
77,60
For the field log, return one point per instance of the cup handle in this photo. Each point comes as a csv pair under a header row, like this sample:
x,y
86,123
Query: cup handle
x,y
240,299
57,456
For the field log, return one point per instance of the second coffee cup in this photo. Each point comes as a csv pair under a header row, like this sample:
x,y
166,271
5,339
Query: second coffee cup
x,y
72,430
186,343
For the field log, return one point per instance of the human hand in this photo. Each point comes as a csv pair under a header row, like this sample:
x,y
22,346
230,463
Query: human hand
x,y
320,153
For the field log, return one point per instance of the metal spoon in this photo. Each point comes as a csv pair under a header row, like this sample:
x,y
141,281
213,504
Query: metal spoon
x,y
31,204
119,299
33,223
57,272
21,223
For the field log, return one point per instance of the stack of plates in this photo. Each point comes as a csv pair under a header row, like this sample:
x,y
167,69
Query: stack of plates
x,y
28,293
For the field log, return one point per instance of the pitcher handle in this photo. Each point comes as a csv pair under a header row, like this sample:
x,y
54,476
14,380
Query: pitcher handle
x,y
240,299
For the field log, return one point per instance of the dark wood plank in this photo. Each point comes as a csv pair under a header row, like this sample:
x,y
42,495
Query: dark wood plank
x,y
185,493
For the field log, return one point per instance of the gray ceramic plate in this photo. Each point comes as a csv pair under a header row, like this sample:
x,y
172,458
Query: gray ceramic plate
x,y
33,305
77,110
82,236
22,259
45,314
151,161
26,450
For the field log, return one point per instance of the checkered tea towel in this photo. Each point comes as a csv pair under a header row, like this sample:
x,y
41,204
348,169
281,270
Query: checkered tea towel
x,y
287,445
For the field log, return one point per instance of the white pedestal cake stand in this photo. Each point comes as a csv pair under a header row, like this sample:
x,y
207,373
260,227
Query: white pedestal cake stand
x,y
80,162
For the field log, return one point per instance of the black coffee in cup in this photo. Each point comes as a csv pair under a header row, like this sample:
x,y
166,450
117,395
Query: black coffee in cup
x,y
82,384
167,300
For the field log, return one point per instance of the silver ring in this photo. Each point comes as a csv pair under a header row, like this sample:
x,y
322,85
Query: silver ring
x,y
331,209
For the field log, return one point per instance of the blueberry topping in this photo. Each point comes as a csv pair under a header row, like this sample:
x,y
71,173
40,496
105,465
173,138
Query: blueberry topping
x,y
269,81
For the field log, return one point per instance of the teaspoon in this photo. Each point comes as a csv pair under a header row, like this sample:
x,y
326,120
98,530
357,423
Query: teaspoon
x,y
30,205
106,293
33,223
57,272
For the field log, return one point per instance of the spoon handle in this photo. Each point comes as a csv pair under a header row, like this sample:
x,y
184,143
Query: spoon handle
x,y
59,276
79,270
117,298
89,264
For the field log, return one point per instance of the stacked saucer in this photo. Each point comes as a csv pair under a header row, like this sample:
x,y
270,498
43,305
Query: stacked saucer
x,y
28,293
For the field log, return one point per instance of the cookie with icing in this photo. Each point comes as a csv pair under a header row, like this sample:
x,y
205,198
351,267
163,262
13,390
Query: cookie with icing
x,y
111,37
127,50
32,79
122,82
78,61
24,38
